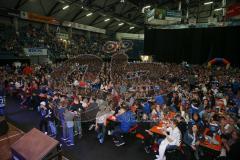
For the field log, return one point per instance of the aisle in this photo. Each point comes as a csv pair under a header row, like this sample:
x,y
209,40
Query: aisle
x,y
87,148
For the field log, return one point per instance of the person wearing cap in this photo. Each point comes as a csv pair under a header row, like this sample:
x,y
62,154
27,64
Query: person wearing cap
x,y
43,117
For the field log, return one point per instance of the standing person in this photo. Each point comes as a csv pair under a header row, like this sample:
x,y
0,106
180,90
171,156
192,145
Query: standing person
x,y
68,117
101,119
2,100
76,108
61,110
51,121
43,117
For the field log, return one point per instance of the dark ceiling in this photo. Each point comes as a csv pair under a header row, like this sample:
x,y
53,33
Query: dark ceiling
x,y
127,12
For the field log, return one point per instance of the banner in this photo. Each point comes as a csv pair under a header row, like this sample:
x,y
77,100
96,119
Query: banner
x,y
38,18
173,15
83,27
64,36
35,51
233,10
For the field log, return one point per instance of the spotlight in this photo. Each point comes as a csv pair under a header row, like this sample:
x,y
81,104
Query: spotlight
x,y
131,27
107,20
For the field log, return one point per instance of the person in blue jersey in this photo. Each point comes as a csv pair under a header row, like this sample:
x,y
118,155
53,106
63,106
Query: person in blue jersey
x,y
159,99
126,120
146,107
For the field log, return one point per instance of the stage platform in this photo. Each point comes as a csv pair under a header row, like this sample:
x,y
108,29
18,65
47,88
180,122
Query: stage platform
x,y
7,140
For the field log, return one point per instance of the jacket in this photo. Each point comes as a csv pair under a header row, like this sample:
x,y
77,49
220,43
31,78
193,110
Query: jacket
x,y
127,120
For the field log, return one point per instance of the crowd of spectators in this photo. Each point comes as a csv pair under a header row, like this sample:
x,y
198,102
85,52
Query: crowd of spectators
x,y
180,109
30,36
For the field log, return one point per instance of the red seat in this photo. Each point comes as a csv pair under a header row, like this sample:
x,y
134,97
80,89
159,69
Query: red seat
x,y
134,128
140,136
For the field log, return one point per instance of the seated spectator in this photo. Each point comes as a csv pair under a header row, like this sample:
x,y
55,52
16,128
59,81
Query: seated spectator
x,y
191,140
232,146
194,108
172,140
196,120
143,129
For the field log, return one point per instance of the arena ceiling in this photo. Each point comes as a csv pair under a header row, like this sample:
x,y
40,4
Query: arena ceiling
x,y
113,15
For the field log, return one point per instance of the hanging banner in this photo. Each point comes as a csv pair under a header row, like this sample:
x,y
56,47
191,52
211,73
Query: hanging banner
x,y
233,10
83,27
64,36
173,15
38,18
35,51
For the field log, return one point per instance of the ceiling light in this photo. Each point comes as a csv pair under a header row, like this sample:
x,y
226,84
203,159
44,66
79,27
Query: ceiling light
x,y
131,27
208,3
106,19
89,14
120,24
218,9
146,7
65,7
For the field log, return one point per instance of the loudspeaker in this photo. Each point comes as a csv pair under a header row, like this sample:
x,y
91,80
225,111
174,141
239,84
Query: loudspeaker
x,y
3,127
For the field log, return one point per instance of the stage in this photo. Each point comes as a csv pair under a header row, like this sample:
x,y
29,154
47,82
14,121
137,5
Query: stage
x,y
7,140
